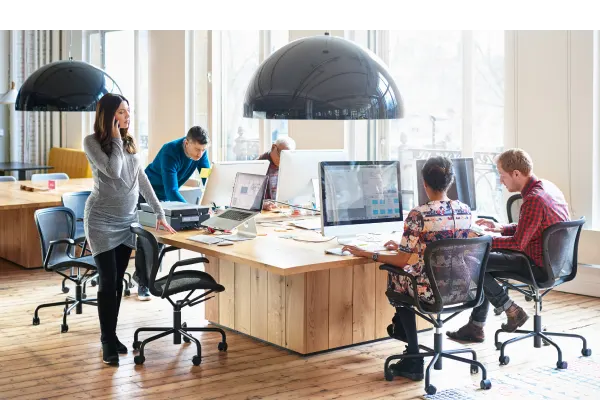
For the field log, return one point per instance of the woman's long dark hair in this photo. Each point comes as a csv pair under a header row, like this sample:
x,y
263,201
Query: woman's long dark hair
x,y
105,113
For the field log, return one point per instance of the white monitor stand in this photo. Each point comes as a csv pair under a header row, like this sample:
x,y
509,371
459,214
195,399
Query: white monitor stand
x,y
246,231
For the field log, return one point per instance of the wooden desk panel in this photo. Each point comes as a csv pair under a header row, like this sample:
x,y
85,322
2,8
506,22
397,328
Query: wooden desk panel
x,y
291,293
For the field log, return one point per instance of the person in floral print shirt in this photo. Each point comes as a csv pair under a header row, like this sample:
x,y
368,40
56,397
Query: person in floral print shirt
x,y
440,218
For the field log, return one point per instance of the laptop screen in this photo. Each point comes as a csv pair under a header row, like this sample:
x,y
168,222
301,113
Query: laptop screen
x,y
249,191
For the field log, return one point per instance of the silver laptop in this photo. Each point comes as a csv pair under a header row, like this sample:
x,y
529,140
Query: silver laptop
x,y
246,202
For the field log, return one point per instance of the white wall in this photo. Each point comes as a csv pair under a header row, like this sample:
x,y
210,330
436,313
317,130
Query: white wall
x,y
550,109
167,88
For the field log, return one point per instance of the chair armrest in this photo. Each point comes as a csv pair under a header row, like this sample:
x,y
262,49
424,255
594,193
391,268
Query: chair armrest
x,y
413,283
525,260
165,249
70,242
183,263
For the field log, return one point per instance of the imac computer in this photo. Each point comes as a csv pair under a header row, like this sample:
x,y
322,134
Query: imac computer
x,y
360,197
299,172
221,181
463,187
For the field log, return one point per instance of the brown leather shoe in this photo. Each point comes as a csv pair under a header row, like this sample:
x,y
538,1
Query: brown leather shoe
x,y
468,333
515,318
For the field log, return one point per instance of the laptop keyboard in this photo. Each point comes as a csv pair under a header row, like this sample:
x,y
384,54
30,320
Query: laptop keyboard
x,y
235,215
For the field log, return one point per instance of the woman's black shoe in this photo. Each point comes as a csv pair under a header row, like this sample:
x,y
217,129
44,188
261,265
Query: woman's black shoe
x,y
109,354
121,348
411,368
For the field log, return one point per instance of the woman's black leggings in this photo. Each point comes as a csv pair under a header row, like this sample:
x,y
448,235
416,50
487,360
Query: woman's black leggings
x,y
111,268
408,320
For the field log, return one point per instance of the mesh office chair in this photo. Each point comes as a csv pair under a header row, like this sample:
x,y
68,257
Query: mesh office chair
x,y
56,227
513,207
7,179
455,269
174,283
559,245
57,176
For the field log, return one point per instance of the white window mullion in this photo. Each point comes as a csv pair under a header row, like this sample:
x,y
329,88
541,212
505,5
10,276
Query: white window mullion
x,y
264,126
467,97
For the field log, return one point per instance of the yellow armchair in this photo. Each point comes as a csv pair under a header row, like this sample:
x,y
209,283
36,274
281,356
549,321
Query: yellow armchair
x,y
70,161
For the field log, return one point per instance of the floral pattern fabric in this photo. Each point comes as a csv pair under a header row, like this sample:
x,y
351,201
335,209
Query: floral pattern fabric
x,y
435,220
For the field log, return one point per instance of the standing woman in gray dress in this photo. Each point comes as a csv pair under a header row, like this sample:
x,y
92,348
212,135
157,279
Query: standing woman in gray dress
x,y
111,209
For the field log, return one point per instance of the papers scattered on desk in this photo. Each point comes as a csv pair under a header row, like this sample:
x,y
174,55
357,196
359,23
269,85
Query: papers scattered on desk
x,y
206,239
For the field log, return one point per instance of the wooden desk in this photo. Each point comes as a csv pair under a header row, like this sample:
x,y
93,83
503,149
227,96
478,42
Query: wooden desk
x,y
291,293
19,238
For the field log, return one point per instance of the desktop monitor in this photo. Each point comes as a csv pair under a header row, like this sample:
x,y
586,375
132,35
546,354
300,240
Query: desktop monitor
x,y
360,197
297,171
221,181
463,187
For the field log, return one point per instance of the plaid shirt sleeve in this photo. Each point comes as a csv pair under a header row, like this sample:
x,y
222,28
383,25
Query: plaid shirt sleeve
x,y
509,230
530,219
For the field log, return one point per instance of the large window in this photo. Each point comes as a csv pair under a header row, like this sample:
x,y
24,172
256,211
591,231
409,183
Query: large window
x,y
124,56
224,63
452,84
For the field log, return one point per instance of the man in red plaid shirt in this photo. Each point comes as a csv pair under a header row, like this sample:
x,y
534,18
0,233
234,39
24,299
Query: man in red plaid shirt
x,y
543,205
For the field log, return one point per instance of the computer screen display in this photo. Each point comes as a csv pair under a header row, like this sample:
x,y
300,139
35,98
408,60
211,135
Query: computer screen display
x,y
360,192
249,191
463,187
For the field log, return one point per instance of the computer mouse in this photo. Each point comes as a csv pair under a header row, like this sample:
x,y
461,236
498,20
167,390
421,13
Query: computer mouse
x,y
346,253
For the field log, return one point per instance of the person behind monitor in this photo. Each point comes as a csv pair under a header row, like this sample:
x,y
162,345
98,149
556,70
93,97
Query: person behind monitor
x,y
174,164
273,155
543,205
439,218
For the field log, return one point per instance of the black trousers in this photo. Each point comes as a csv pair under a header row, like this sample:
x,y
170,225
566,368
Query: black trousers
x,y
141,270
111,267
494,293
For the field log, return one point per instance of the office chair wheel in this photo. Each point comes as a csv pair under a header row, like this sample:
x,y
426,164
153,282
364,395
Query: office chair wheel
x,y
93,283
64,328
196,360
561,365
586,352
185,339
527,298
130,285
388,375
431,389
127,292
83,296
498,345
65,289
474,369
139,360
136,345
36,320
485,384
504,360
222,346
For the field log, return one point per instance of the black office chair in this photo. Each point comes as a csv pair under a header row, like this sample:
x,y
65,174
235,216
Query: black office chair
x,y
174,283
56,227
455,269
76,202
559,245
513,207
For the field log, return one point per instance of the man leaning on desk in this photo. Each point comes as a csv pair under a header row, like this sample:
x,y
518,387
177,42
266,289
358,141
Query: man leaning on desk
x,y
172,167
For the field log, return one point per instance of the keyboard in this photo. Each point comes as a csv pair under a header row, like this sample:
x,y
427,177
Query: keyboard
x,y
235,215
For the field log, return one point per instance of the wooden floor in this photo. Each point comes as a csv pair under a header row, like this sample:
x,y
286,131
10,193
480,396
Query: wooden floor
x,y
40,362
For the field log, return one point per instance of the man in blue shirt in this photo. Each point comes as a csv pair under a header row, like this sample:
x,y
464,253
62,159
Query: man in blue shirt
x,y
172,167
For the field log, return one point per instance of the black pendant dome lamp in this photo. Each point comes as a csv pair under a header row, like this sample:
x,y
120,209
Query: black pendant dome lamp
x,y
325,78
65,85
